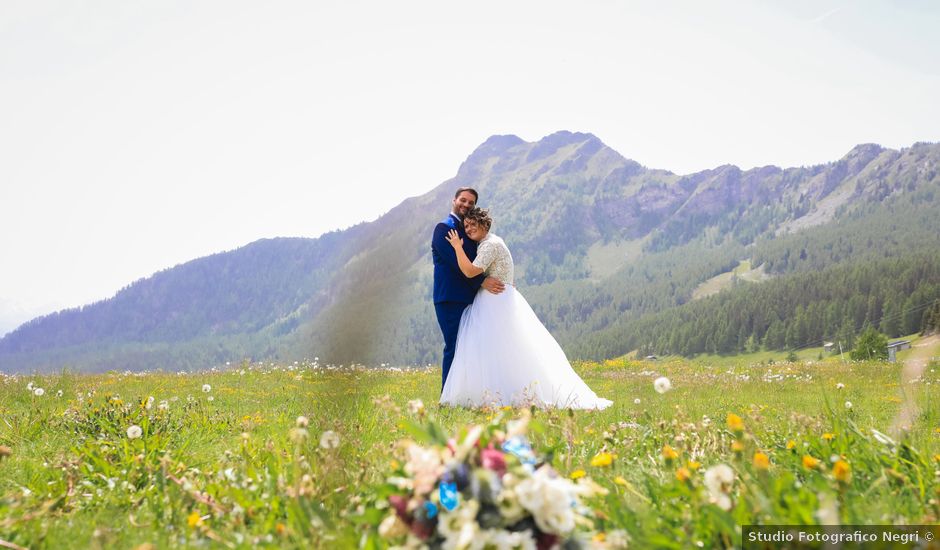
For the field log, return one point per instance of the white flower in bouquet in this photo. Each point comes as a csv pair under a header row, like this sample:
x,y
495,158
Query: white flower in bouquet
x,y
468,443
506,540
459,527
392,526
509,506
550,499
425,467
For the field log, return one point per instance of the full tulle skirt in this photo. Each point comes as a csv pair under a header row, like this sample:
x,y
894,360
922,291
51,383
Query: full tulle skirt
x,y
506,356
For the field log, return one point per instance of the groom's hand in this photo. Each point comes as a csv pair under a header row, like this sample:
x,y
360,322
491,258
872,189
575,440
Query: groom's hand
x,y
493,285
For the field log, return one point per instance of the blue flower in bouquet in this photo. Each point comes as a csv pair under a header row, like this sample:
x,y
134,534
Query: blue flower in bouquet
x,y
450,498
519,447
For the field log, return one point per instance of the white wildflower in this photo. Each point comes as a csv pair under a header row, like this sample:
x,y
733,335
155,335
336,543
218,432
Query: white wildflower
x,y
840,385
302,422
718,480
134,432
662,384
39,392
329,440
58,393
848,404
206,388
416,406
29,386
636,401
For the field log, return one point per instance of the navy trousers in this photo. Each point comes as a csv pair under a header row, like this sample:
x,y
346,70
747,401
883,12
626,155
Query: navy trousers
x,y
448,317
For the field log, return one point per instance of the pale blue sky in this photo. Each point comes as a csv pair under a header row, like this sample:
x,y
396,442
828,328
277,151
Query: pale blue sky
x,y
139,135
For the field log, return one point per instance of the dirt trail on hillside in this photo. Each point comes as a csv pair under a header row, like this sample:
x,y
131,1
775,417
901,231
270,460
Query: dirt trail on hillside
x,y
914,367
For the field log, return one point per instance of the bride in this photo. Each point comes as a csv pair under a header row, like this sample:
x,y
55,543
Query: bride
x,y
505,356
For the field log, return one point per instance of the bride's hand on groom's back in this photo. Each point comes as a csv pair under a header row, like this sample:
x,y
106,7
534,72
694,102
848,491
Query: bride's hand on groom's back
x,y
493,285
454,239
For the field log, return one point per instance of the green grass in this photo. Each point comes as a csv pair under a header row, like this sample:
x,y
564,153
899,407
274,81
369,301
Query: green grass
x,y
231,473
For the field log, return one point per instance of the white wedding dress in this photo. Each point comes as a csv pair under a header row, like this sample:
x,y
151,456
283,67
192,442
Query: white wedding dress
x,y
505,356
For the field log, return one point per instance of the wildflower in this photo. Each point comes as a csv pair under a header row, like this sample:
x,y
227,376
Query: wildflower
x,y
761,461
828,436
298,435
302,422
329,440
210,399
206,388
735,424
577,474
416,406
737,447
58,393
848,404
134,432
810,463
149,404
602,459
719,480
693,465
840,385
791,444
683,474
623,482
194,520
164,405
39,392
669,454
636,401
662,384
842,471
29,387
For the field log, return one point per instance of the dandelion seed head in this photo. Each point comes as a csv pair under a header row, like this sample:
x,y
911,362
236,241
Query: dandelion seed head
x,y
662,385
134,432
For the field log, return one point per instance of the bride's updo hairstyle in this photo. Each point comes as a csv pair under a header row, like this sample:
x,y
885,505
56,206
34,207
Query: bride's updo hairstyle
x,y
481,216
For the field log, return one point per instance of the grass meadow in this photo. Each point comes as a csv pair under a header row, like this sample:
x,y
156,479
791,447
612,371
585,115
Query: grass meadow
x,y
220,459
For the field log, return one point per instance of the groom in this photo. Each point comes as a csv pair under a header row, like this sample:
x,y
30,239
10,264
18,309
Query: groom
x,y
452,291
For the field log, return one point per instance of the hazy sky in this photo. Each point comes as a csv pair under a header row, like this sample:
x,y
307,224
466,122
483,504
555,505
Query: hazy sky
x,y
138,135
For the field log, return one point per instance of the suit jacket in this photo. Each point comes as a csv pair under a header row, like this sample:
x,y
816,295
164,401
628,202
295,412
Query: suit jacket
x,y
450,284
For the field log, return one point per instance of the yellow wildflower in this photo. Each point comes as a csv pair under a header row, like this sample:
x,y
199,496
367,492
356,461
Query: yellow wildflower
x,y
683,474
194,519
810,462
842,471
828,436
693,465
669,453
761,461
737,447
602,459
600,537
735,424
621,481
790,445
577,474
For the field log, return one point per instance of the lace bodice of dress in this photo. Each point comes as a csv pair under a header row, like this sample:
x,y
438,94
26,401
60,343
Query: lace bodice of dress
x,y
494,259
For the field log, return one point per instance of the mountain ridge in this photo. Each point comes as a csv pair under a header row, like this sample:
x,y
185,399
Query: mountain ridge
x,y
357,290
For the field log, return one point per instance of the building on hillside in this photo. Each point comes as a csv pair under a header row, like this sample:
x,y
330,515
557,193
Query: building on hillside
x,y
895,347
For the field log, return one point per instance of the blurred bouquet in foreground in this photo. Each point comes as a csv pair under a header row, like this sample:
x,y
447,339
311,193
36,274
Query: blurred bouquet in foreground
x,y
486,488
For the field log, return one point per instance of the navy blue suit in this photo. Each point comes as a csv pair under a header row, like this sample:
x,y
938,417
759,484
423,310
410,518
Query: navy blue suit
x,y
453,292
